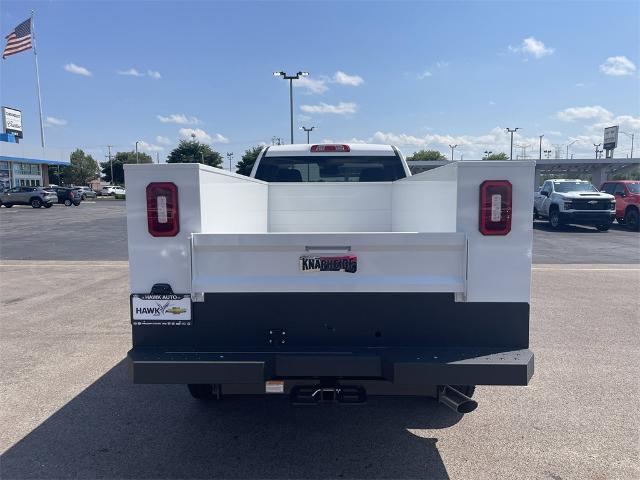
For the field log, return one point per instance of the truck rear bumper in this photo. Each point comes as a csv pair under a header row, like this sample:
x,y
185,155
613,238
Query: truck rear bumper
x,y
401,366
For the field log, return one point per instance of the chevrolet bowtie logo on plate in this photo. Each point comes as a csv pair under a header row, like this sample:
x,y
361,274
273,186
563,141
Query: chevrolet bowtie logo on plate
x,y
593,202
346,263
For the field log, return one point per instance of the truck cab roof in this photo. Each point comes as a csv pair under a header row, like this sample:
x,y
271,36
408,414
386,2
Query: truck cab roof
x,y
352,149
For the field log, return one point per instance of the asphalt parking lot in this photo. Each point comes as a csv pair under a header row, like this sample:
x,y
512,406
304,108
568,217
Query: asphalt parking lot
x,y
97,230
69,409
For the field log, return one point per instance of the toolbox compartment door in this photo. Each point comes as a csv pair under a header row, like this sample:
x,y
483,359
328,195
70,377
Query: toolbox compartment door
x,y
278,262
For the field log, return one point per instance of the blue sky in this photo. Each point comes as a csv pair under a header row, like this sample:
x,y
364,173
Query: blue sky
x,y
417,74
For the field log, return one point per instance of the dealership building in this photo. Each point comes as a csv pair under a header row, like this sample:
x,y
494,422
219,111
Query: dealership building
x,y
27,165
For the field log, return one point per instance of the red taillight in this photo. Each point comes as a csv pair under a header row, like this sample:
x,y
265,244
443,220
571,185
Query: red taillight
x,y
330,148
162,209
495,207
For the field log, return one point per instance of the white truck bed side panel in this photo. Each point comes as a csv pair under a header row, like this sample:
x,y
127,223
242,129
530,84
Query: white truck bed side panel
x,y
232,203
499,267
330,207
161,259
387,262
426,202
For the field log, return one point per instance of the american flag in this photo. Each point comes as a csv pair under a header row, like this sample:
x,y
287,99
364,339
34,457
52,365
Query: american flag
x,y
19,40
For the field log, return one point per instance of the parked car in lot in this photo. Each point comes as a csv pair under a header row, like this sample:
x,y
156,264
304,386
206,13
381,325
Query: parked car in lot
x,y
574,201
68,196
627,194
119,192
35,196
108,190
85,192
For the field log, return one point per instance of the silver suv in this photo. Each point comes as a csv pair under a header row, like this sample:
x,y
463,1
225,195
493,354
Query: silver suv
x,y
35,196
85,192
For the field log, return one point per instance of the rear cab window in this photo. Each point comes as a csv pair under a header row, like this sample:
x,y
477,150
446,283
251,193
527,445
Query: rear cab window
x,y
330,168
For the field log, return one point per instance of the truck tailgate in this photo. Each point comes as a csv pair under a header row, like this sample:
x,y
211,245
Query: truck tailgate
x,y
272,262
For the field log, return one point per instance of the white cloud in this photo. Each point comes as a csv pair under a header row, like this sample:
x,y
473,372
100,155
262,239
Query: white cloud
x,y
584,113
77,69
425,74
617,66
148,147
54,122
303,118
442,64
201,136
179,118
154,74
345,79
132,72
163,140
313,85
343,108
533,47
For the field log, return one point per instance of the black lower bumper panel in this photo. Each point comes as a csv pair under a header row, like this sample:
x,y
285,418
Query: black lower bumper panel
x,y
416,366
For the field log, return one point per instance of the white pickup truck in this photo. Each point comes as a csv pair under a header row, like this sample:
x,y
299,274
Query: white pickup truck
x,y
331,274
574,201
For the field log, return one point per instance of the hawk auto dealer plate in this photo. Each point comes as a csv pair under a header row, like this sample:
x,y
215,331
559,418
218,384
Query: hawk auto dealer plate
x,y
165,310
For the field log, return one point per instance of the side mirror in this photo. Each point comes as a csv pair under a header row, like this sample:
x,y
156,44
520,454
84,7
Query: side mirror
x,y
545,193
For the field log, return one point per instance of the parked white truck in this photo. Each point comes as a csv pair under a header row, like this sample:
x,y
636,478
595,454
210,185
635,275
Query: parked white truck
x,y
565,201
331,274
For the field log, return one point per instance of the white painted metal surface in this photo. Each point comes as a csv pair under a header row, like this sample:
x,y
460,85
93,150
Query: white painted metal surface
x,y
416,234
387,262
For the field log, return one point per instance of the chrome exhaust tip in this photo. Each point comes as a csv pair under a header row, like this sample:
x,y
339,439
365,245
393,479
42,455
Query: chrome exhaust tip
x,y
456,400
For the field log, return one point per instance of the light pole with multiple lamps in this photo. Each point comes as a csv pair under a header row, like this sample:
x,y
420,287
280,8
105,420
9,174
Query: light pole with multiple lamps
x,y
453,147
307,129
597,145
547,153
291,78
230,157
631,136
511,131
487,153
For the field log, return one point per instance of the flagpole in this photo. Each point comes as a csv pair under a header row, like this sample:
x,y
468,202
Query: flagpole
x,y
35,56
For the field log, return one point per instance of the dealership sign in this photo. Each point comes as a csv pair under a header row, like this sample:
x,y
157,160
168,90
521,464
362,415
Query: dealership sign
x,y
610,138
12,121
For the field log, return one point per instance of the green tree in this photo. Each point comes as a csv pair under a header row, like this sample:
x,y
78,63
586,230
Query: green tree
x,y
497,156
82,169
249,157
119,160
192,151
430,155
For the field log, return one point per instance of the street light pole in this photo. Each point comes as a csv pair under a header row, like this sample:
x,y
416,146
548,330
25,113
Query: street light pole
x,y
230,157
540,150
568,145
487,153
137,141
452,148
511,131
307,130
291,78
630,135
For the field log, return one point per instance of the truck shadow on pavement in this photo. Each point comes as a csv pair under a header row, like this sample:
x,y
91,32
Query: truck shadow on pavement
x,y
115,429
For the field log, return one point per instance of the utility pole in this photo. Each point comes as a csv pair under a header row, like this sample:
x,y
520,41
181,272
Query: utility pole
x,y
291,78
540,150
137,160
452,147
230,157
110,163
511,131
307,130
158,158
523,148
597,145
